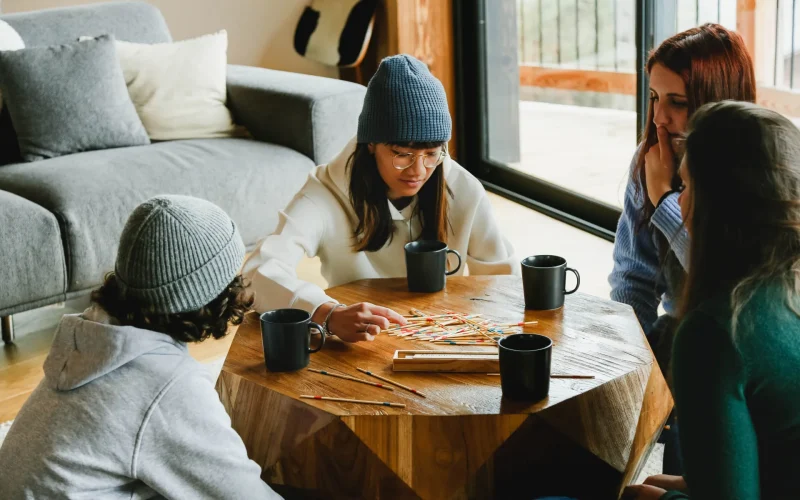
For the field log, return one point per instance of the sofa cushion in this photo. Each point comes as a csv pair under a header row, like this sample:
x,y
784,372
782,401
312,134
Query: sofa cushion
x,y
132,21
179,88
93,193
32,267
69,98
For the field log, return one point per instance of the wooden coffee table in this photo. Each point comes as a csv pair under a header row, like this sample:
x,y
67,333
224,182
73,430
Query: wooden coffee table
x,y
588,439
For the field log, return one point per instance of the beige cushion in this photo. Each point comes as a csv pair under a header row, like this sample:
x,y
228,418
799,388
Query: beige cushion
x,y
179,88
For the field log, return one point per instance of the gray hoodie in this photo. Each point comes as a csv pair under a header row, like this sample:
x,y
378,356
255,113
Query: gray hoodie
x,y
124,413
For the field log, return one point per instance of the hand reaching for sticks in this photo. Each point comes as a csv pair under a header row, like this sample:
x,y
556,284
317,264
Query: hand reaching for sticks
x,y
358,322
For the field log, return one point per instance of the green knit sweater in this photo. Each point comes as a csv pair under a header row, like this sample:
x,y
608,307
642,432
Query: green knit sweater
x,y
738,400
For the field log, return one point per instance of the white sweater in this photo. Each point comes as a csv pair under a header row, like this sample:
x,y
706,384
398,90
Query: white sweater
x,y
320,221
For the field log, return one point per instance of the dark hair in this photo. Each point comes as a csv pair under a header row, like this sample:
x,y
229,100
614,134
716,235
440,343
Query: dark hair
x,y
714,65
743,166
368,197
212,320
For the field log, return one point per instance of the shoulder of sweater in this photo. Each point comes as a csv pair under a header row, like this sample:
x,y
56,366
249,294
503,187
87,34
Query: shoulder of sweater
x,y
763,323
321,190
188,373
462,182
767,303
769,316
193,375
319,179
189,385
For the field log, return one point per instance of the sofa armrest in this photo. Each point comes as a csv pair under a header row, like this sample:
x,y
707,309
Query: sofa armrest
x,y
313,115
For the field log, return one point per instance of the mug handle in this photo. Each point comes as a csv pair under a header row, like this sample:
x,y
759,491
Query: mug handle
x,y
578,277
321,331
454,271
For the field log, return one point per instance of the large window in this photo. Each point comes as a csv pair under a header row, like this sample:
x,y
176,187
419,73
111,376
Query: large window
x,y
550,101
577,105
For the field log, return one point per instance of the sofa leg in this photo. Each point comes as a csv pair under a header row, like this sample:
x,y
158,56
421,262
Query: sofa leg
x,y
8,329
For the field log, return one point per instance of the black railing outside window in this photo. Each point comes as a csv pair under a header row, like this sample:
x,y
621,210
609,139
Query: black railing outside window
x,y
785,44
599,34
580,34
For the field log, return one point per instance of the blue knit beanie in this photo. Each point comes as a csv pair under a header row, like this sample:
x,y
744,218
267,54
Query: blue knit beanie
x,y
404,103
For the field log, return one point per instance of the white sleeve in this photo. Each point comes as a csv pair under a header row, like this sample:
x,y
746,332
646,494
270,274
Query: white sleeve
x,y
188,449
489,251
272,267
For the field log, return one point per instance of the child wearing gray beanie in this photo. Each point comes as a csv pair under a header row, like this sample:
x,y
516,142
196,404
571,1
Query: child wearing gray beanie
x,y
392,184
124,410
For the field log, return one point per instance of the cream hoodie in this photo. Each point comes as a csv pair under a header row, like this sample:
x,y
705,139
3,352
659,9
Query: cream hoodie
x,y
320,221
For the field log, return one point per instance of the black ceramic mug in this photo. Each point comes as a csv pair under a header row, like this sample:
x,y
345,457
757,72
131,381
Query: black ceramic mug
x,y
525,366
286,337
544,279
426,265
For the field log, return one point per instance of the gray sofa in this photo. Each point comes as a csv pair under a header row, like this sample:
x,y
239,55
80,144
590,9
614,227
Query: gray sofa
x,y
60,219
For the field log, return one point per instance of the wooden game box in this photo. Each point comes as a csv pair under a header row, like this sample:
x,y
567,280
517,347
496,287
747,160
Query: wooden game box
x,y
446,361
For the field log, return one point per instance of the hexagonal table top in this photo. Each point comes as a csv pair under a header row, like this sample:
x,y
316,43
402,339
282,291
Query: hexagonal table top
x,y
463,440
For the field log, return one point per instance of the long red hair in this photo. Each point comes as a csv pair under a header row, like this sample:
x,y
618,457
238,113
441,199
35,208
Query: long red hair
x,y
714,65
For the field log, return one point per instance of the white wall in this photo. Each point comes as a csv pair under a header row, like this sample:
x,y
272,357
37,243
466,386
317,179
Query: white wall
x,y
260,32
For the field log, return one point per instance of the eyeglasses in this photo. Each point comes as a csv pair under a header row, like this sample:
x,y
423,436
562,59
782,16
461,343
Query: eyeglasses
x,y
402,161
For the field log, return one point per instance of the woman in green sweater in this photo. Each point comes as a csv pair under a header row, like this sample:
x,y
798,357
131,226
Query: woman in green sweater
x,y
736,357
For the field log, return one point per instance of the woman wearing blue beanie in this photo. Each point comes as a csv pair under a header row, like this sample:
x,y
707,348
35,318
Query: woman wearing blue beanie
x,y
394,183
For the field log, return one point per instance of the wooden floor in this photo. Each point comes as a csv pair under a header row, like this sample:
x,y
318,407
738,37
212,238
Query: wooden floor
x,y
530,233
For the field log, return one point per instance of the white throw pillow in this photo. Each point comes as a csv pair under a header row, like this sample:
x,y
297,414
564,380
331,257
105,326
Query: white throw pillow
x,y
179,88
9,40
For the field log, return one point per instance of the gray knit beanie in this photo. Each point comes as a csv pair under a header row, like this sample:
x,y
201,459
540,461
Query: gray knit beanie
x,y
178,253
404,103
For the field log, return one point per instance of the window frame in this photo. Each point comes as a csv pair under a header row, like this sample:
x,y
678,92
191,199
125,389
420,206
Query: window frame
x,y
472,111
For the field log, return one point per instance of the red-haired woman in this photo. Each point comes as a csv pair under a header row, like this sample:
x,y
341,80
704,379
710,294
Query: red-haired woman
x,y
700,65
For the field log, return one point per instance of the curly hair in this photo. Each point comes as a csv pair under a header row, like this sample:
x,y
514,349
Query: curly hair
x,y
212,320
